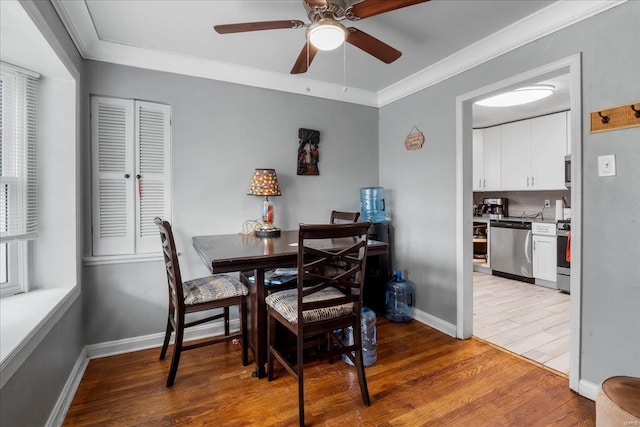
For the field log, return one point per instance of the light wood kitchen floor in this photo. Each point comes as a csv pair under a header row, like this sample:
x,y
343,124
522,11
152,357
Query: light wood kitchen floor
x,y
528,320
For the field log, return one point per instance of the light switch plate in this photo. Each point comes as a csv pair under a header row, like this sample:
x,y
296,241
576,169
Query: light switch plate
x,y
607,165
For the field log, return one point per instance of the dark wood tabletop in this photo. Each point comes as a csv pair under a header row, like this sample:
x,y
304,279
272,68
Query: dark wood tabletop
x,y
241,252
238,252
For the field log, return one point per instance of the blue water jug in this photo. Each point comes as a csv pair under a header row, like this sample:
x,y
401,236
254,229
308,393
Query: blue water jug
x,y
369,345
398,295
372,207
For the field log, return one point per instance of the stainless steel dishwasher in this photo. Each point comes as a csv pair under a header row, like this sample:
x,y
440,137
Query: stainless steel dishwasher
x,y
511,254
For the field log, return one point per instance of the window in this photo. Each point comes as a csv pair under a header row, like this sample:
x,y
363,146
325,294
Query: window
x,y
18,179
130,175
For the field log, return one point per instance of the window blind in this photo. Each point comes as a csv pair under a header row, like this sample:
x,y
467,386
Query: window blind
x,y
18,179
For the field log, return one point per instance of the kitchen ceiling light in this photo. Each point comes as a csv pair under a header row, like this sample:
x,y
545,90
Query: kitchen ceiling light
x,y
519,96
327,34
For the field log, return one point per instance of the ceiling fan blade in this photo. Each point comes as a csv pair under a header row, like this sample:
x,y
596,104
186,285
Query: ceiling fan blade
x,y
257,26
302,63
372,46
368,8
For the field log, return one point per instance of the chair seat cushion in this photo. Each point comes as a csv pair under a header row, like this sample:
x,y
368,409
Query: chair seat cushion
x,y
212,288
286,303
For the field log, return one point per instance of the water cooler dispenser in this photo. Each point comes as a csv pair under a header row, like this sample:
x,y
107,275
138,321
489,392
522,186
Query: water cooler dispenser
x,y
378,271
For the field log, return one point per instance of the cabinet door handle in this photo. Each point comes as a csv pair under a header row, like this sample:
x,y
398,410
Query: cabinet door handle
x,y
484,185
532,181
527,182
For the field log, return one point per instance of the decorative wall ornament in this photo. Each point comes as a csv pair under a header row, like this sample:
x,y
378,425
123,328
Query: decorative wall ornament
x,y
414,140
308,151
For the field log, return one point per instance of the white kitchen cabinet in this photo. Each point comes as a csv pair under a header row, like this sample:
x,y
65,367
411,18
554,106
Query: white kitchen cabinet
x,y
492,158
533,153
544,251
478,160
523,155
549,146
544,258
516,155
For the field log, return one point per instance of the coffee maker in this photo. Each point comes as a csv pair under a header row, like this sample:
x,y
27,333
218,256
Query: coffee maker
x,y
495,208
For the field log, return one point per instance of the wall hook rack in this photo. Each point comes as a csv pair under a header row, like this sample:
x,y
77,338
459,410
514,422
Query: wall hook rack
x,y
614,118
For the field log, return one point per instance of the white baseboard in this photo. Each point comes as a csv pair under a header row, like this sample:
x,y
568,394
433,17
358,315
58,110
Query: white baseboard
x,y
588,389
435,323
144,342
59,411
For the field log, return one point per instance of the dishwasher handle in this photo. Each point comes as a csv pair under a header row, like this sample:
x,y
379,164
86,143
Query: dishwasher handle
x,y
527,247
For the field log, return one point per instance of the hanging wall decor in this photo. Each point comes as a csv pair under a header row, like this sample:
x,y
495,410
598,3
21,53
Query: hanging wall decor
x,y
414,140
308,151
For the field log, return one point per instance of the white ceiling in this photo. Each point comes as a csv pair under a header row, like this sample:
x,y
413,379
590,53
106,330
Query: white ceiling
x,y
438,39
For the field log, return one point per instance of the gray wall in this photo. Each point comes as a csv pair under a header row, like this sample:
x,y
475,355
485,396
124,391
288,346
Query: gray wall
x,y
422,185
221,133
29,396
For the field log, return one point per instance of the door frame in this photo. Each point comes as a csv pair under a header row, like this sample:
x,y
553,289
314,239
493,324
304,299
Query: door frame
x,y
464,198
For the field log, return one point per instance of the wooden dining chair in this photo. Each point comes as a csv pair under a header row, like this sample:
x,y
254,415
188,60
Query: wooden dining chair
x,y
340,217
218,291
320,305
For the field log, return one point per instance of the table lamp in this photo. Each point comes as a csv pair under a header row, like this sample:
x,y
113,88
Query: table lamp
x,y
265,183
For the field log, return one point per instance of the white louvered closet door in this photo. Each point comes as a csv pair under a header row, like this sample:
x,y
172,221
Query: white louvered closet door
x,y
152,142
113,176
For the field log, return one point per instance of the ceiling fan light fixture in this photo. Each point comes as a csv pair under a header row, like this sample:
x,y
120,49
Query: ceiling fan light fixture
x,y
327,34
523,95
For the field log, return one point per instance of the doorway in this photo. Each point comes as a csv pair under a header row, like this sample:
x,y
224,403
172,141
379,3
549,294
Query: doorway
x,y
464,232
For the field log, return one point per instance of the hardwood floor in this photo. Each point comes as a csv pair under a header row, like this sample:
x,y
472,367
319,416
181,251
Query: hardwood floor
x,y
421,378
529,320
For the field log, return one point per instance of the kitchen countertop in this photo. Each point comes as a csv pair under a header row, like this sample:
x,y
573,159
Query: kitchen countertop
x,y
515,218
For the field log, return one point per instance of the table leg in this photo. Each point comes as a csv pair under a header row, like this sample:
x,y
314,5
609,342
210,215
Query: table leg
x,y
258,322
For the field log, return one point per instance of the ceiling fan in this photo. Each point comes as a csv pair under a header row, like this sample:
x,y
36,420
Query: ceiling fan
x,y
325,32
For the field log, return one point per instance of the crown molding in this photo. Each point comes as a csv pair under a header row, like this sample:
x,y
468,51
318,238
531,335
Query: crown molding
x,y
77,19
544,22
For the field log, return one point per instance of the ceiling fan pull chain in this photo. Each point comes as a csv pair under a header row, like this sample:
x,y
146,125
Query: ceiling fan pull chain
x,y
344,67
308,89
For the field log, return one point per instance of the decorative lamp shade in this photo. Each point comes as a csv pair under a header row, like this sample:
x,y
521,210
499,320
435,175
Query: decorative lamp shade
x,y
264,183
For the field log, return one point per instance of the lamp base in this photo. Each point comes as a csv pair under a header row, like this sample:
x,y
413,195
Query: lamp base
x,y
268,232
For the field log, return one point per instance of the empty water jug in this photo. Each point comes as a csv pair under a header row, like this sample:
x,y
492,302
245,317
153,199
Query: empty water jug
x,y
369,345
398,297
372,207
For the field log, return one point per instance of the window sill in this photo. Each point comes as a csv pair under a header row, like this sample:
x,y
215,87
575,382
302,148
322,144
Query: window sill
x,y
25,319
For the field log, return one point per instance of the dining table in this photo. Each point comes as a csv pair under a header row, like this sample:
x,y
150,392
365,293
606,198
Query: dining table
x,y
252,256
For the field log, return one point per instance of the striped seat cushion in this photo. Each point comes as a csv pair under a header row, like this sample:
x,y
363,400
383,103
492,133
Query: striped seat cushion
x,y
212,288
286,303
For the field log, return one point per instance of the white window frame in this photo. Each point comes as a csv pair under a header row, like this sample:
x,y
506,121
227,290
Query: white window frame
x,y
15,247
132,239
19,268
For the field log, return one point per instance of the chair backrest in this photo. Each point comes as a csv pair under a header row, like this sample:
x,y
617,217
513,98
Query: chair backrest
x,y
340,217
347,245
174,279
